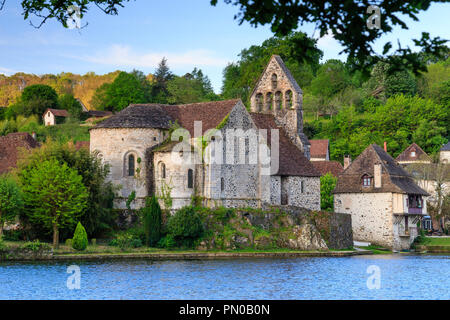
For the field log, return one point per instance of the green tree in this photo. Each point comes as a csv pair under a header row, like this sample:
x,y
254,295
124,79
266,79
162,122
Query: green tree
x,y
80,238
35,99
126,89
185,226
327,185
152,221
161,78
347,23
72,105
11,201
98,217
54,195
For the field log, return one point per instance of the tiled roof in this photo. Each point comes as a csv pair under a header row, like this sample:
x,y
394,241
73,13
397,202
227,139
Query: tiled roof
x,y
210,114
319,148
394,178
408,155
292,162
99,114
57,112
324,167
10,147
163,116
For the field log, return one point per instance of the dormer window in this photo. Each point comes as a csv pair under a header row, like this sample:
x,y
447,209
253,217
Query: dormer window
x,y
413,153
366,181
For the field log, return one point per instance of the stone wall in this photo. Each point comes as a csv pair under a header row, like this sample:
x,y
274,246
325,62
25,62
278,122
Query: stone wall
x,y
372,217
114,146
309,198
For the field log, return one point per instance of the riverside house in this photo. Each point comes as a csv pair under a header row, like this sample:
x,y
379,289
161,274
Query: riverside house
x,y
384,201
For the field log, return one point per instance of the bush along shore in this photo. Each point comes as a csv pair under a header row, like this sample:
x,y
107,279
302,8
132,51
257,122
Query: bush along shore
x,y
196,232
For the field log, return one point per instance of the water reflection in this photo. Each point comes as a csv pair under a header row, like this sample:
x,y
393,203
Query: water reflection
x,y
402,277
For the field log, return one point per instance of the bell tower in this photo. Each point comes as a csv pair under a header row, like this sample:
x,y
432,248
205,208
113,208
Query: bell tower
x,y
277,93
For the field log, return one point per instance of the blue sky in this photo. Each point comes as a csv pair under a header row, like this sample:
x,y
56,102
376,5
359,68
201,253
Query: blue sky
x,y
189,33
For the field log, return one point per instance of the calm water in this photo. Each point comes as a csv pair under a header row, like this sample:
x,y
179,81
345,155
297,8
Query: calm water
x,y
402,277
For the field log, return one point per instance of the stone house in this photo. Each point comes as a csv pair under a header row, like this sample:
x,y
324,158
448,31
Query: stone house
x,y
217,151
11,146
444,155
384,201
52,117
413,154
320,150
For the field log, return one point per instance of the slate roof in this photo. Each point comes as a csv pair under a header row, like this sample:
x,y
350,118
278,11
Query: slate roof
x,y
394,178
446,147
406,155
292,162
319,148
10,148
161,116
57,112
324,167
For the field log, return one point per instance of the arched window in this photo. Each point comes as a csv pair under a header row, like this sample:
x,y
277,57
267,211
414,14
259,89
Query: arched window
x,y
278,100
274,81
269,101
288,99
131,165
222,184
190,178
259,102
366,180
162,170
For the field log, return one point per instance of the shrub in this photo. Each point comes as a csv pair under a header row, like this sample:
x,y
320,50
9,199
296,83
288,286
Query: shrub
x,y
167,242
80,239
35,246
152,221
185,226
126,240
69,242
2,245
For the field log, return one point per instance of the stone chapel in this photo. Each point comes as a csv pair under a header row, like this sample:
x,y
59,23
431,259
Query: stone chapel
x,y
220,151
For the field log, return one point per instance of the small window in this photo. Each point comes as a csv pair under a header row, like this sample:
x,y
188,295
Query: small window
x,y
366,181
413,154
288,99
162,170
49,113
259,102
131,165
222,184
190,178
302,186
274,81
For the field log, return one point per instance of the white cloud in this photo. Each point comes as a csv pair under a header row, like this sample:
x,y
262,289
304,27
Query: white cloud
x,y
7,71
125,56
327,41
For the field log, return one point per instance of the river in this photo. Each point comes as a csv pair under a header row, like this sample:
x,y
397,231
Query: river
x,y
394,276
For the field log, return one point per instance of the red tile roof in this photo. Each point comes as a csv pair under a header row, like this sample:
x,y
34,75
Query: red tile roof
x,y
292,162
57,112
324,167
10,149
319,148
161,116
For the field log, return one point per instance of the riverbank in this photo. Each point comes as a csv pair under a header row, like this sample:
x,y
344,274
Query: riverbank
x,y
43,252
433,245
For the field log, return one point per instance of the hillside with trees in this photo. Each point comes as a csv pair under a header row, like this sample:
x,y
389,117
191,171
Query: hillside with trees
x,y
348,107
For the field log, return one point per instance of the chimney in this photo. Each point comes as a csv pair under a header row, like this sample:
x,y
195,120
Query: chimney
x,y
385,146
347,161
377,175
34,135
